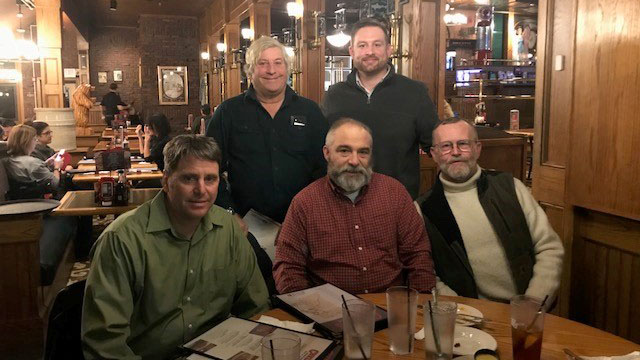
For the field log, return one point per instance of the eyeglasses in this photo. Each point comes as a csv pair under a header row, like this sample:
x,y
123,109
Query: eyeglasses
x,y
447,146
47,132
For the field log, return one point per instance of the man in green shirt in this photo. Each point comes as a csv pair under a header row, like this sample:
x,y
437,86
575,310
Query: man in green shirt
x,y
171,269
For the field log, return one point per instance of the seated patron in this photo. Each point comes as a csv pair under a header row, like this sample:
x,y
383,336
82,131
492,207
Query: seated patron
x,y
7,125
489,237
43,151
154,138
353,228
171,269
26,169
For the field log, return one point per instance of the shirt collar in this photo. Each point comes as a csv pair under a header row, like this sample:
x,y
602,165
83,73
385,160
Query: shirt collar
x,y
339,192
359,83
159,218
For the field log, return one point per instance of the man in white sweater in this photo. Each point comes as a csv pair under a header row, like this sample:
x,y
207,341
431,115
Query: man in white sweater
x,y
490,239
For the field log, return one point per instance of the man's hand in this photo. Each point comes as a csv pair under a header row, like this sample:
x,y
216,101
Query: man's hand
x,y
243,225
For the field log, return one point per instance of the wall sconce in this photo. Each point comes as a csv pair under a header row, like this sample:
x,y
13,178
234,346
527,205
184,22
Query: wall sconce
x,y
204,55
319,30
238,57
295,10
218,61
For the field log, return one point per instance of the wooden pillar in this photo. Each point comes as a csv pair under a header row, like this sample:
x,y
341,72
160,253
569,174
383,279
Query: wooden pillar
x,y
233,76
312,60
260,18
48,19
20,322
422,19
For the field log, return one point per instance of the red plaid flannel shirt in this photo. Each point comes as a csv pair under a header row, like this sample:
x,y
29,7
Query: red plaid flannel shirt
x,y
360,247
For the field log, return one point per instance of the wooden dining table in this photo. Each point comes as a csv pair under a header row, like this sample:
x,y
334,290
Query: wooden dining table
x,y
109,133
82,202
559,333
134,174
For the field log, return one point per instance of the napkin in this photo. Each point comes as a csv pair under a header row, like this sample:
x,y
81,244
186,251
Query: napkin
x,y
632,356
291,325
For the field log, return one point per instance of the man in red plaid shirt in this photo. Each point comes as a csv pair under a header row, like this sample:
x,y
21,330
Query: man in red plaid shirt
x,y
353,228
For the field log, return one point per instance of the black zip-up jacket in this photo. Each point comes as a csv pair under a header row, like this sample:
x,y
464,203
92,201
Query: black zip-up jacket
x,y
401,116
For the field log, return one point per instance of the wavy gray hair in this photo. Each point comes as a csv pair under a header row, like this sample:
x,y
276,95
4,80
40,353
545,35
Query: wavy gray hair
x,y
182,146
257,47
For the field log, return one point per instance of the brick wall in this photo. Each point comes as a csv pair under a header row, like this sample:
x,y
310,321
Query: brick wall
x,y
169,41
115,48
157,41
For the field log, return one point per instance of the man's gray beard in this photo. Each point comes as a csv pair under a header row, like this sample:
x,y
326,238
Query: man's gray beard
x,y
350,182
461,174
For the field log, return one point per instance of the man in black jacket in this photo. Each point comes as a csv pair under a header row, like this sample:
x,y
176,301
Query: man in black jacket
x,y
397,109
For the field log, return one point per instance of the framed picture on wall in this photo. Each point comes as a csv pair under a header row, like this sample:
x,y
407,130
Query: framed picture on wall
x,y
117,75
102,77
173,85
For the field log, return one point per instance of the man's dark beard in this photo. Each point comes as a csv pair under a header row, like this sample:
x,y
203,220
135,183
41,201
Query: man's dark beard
x,y
344,176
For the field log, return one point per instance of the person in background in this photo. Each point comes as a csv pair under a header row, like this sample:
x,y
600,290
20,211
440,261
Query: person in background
x,y
489,237
81,104
112,104
354,228
155,137
171,269
398,110
7,125
23,168
205,117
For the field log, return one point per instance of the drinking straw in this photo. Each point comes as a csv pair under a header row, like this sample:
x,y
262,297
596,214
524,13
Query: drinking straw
x,y
357,338
433,329
537,314
273,355
409,331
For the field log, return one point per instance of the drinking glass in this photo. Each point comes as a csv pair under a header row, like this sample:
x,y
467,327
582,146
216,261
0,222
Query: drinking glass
x,y
402,306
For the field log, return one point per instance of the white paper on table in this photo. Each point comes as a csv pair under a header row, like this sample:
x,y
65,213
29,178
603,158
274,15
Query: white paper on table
x,y
632,356
264,229
291,325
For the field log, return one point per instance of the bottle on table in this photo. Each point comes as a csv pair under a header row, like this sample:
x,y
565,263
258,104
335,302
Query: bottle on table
x,y
122,189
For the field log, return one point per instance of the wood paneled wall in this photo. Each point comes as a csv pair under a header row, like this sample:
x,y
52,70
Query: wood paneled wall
x,y
609,283
586,165
606,134
49,21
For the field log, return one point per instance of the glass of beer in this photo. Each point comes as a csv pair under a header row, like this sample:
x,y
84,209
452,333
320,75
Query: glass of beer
x,y
527,323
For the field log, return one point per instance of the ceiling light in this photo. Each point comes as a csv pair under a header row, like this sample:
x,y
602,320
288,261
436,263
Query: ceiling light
x,y
113,5
204,55
247,33
295,9
222,47
339,39
19,14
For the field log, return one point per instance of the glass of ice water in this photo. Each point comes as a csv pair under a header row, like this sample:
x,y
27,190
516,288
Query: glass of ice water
x,y
358,321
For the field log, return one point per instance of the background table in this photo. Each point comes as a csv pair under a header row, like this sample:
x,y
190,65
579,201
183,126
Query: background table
x,y
142,174
79,203
559,333
134,145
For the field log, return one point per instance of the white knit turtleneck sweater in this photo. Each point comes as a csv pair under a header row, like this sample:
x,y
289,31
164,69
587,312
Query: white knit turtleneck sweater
x,y
486,255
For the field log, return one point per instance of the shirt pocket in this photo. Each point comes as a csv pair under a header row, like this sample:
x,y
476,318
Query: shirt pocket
x,y
297,138
247,138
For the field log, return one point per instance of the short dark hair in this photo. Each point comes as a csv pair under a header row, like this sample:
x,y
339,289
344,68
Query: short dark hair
x,y
113,86
39,126
182,146
160,124
7,122
206,109
454,120
371,21
344,121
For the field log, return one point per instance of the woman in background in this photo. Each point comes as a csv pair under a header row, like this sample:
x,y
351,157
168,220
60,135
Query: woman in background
x,y
154,138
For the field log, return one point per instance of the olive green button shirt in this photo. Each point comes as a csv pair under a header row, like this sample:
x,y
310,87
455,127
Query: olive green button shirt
x,y
149,290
